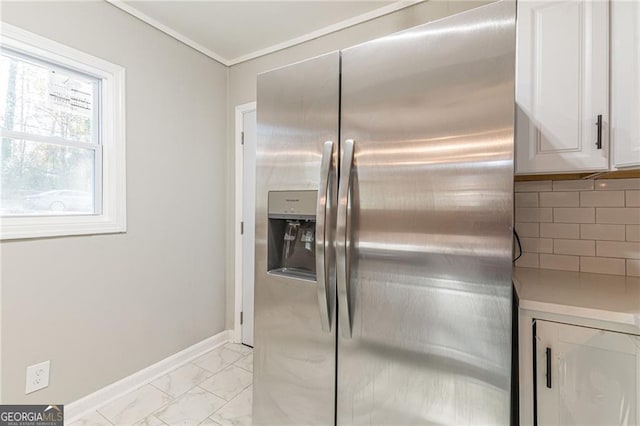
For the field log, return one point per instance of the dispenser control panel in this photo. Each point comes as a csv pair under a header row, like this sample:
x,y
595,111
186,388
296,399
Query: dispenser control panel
x,y
295,203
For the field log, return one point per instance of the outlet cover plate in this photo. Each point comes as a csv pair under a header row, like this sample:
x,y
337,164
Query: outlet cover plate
x,y
37,377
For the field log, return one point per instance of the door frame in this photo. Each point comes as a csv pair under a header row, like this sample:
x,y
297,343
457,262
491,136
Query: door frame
x,y
240,110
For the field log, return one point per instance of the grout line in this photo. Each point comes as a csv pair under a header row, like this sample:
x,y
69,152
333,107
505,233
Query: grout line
x,y
245,369
171,397
217,396
105,417
157,418
231,348
222,406
234,397
210,420
163,406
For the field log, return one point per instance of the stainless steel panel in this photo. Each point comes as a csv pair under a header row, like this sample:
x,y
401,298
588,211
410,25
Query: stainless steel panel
x,y
431,110
294,359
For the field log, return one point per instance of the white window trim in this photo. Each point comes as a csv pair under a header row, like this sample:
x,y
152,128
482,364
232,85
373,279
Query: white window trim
x,y
113,217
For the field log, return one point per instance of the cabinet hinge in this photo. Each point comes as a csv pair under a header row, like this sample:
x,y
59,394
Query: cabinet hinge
x,y
241,228
242,138
241,317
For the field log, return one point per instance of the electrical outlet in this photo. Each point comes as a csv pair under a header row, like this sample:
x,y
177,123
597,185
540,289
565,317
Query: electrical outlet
x,y
37,377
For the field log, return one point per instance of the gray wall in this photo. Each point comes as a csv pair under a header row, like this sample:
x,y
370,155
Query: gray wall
x,y
102,307
242,82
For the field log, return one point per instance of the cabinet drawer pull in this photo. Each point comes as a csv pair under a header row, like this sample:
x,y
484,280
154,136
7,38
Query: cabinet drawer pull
x,y
599,125
548,353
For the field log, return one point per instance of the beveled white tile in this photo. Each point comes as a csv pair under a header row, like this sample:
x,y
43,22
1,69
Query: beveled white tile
x,y
533,214
150,421
573,185
209,422
246,363
537,245
533,186
594,231
602,265
633,233
620,216
528,260
613,184
243,349
602,199
236,412
134,406
526,199
576,247
559,262
574,215
527,229
559,199
632,198
92,419
217,359
228,383
628,250
633,267
191,408
570,231
180,380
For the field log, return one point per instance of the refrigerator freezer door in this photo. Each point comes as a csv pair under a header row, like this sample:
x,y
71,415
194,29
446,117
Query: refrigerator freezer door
x,y
294,357
431,112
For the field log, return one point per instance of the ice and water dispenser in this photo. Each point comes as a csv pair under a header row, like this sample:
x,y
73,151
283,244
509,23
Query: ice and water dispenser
x,y
292,234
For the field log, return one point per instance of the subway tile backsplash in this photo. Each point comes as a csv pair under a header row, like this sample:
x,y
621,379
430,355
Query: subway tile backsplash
x,y
580,225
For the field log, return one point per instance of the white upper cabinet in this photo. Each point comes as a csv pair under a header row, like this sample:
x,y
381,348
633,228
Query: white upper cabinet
x,y
562,86
625,83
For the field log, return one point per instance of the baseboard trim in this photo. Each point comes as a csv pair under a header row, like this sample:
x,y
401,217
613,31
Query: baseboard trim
x,y
91,402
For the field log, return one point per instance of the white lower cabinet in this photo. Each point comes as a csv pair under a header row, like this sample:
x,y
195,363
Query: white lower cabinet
x,y
585,376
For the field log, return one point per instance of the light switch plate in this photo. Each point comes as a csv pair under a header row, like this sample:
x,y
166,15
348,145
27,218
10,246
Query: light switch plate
x,y
37,377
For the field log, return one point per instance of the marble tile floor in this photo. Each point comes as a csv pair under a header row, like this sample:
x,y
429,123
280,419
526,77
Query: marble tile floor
x,y
214,389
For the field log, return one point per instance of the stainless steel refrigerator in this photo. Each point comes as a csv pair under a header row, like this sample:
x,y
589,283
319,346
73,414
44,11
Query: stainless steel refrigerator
x,y
384,229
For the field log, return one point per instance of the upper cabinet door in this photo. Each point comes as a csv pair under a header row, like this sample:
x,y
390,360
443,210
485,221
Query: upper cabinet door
x,y
625,83
562,86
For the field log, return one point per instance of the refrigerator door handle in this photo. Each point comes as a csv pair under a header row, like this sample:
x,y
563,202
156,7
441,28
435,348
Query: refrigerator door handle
x,y
321,240
342,246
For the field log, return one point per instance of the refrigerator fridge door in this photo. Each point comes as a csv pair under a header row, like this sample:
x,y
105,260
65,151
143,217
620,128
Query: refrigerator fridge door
x,y
425,224
297,150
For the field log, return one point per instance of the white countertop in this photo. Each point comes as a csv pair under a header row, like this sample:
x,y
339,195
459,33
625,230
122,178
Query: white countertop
x,y
601,297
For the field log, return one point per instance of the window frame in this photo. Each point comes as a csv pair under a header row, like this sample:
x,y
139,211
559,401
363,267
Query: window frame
x,y
110,216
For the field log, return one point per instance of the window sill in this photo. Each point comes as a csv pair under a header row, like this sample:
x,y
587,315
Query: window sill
x,y
14,228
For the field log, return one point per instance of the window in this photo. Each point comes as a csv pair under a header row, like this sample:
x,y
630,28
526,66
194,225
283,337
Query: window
x,y
62,146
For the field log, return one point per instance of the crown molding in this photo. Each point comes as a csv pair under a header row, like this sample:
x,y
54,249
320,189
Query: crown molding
x,y
373,14
376,13
168,30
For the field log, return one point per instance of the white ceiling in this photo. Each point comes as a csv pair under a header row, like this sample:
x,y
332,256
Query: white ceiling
x,y
238,30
